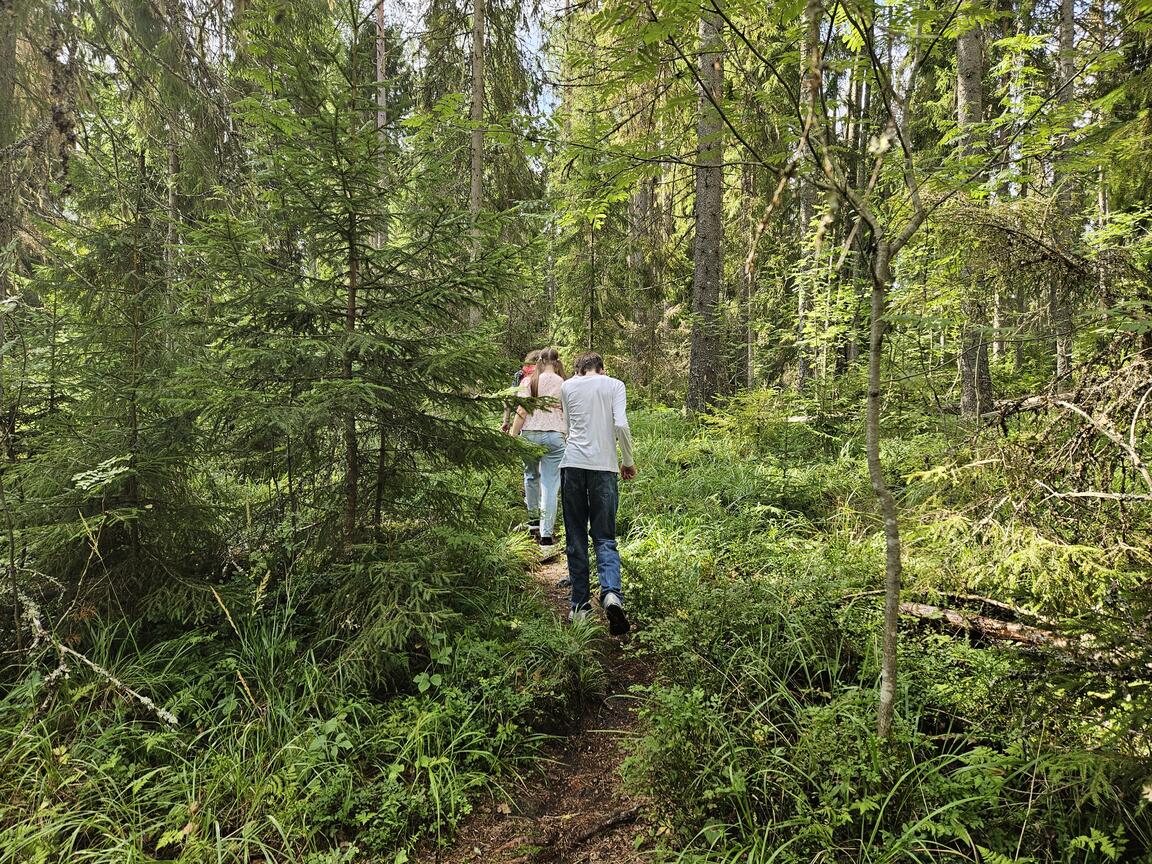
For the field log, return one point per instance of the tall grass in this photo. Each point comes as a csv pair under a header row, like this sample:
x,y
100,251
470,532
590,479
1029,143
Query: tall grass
x,y
753,554
307,732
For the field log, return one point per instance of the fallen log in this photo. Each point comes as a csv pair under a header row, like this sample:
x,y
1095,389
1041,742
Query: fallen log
x,y
1008,407
1080,651
1015,611
983,625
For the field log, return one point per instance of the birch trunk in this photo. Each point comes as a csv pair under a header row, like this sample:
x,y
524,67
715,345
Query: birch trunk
x,y
881,281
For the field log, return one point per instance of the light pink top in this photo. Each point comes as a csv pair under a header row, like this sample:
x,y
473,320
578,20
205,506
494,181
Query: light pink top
x,y
544,419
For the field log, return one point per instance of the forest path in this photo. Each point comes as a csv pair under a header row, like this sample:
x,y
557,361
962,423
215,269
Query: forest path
x,y
574,810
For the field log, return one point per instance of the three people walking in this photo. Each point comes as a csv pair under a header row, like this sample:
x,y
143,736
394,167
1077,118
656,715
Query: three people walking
x,y
592,414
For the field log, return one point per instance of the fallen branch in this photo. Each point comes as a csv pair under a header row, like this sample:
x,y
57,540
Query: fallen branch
x,y
551,851
1008,407
1077,650
1089,493
1104,426
997,604
160,712
961,598
42,636
983,625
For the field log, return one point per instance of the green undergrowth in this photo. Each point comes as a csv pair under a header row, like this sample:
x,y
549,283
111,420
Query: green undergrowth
x,y
305,728
753,559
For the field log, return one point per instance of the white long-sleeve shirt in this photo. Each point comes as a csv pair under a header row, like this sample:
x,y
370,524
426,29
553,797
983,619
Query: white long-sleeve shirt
x,y
596,411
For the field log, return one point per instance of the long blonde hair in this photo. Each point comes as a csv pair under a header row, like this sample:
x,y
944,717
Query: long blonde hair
x,y
547,357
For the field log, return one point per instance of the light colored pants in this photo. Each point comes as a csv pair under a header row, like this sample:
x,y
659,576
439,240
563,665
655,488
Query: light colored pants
x,y
542,478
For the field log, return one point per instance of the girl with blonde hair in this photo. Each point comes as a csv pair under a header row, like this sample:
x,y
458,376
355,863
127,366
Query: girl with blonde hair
x,y
545,428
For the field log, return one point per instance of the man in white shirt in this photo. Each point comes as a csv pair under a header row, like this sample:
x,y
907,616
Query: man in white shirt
x,y
595,411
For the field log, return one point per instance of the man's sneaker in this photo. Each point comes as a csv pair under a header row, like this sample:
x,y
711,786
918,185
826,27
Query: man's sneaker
x,y
534,530
548,547
617,621
580,614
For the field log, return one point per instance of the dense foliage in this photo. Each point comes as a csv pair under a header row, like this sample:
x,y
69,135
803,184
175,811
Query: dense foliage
x,y
755,581
266,266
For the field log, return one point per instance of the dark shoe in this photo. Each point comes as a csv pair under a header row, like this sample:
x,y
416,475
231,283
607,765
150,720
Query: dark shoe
x,y
617,621
548,548
534,530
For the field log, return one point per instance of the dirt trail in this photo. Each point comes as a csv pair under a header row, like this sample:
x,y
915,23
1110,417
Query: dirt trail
x,y
574,810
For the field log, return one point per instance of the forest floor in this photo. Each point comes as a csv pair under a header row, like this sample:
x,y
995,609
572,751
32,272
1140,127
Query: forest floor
x,y
575,809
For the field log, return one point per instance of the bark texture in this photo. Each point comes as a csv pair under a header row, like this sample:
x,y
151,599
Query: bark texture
x,y
8,217
382,231
893,572
975,377
351,444
476,115
805,191
706,361
1059,301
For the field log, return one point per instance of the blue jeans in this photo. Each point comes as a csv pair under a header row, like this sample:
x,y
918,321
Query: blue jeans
x,y
590,502
542,478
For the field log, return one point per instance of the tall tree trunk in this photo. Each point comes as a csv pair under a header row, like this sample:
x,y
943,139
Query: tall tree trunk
x,y
591,285
997,323
639,262
1102,204
476,188
235,26
1000,301
351,446
174,12
975,378
812,80
172,215
476,115
139,279
382,104
975,374
1059,301
8,216
1020,311
706,361
382,232
859,280
747,278
881,281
